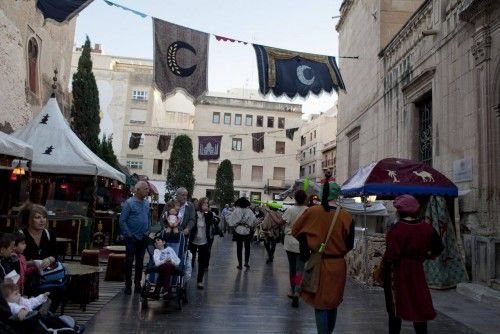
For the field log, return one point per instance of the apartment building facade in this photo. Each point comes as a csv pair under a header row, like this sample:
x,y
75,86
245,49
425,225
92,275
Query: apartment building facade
x,y
260,175
130,107
316,151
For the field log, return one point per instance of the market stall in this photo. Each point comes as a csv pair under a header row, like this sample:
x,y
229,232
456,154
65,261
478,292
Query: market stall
x,y
391,177
12,178
69,178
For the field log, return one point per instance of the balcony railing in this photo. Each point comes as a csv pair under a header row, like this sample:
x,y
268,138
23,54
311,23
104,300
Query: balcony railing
x,y
276,183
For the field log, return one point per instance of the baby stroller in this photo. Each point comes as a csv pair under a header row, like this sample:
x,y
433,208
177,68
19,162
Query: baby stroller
x,y
178,275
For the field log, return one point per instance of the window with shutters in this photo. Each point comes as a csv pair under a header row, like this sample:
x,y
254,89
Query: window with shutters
x,y
157,166
257,172
260,121
237,119
280,147
279,173
281,122
139,95
270,122
237,172
212,170
216,118
236,145
248,120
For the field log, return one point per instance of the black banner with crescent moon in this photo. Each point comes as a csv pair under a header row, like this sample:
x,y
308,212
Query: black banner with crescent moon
x,y
180,59
292,73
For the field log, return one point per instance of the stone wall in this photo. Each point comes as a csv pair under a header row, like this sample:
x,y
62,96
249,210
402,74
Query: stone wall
x,y
20,21
449,50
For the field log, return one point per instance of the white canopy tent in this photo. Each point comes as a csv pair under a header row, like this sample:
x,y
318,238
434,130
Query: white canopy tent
x,y
57,149
14,147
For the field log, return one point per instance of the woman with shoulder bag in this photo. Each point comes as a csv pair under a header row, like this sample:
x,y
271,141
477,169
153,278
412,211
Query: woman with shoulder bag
x,y
199,237
242,219
292,247
331,234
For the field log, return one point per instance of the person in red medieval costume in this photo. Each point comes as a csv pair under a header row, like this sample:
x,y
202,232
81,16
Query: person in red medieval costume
x,y
409,243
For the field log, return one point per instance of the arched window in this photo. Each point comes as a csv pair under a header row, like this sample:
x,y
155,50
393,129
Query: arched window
x,y
33,65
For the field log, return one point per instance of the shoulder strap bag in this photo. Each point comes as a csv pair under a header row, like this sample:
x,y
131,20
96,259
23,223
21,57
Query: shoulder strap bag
x,y
312,268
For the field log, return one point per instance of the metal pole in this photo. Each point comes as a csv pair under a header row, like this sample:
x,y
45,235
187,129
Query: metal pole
x,y
30,180
94,198
365,242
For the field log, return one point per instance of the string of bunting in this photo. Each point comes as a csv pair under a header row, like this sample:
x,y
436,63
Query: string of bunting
x,y
280,71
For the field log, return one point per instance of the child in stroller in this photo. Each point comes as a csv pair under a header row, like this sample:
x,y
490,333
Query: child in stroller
x,y
171,277
36,308
165,260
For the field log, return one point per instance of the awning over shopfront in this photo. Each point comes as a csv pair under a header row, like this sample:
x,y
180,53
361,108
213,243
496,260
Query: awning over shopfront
x,y
14,147
57,149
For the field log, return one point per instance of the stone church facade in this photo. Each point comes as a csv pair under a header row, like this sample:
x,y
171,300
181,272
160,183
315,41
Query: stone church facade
x,y
429,91
31,48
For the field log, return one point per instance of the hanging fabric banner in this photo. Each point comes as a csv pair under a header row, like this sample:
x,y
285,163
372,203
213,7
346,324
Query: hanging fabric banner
x,y
292,73
180,59
290,132
258,141
134,141
209,147
126,8
163,143
61,10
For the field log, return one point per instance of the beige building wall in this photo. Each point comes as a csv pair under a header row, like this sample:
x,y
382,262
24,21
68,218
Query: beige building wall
x,y
20,21
279,167
445,58
364,29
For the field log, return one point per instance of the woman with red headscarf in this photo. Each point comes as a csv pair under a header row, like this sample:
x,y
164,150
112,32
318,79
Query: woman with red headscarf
x,y
409,243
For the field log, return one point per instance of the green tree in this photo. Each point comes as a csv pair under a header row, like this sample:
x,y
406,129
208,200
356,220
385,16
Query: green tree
x,y
85,108
106,152
224,188
181,165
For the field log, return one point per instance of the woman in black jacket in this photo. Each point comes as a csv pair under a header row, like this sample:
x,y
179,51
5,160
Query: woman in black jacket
x,y
200,235
41,245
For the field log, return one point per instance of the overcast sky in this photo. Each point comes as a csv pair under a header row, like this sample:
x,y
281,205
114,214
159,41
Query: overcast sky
x,y
288,24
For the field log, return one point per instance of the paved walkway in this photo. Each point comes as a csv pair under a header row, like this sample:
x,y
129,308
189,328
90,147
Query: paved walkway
x,y
254,301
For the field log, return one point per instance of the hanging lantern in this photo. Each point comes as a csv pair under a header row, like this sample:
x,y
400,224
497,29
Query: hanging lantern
x,y
13,177
18,170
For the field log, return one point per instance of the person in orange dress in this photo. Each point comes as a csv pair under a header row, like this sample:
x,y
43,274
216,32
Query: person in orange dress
x,y
312,228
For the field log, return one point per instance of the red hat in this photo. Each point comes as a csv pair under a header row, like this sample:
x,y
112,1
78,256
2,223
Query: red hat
x,y
407,205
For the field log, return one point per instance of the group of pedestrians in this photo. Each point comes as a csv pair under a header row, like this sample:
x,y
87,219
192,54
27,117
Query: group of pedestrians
x,y
313,225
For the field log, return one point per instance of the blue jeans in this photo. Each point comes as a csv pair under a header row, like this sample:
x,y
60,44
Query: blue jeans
x,y
325,320
135,249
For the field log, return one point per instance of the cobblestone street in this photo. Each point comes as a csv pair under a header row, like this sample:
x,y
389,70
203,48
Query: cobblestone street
x,y
255,301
